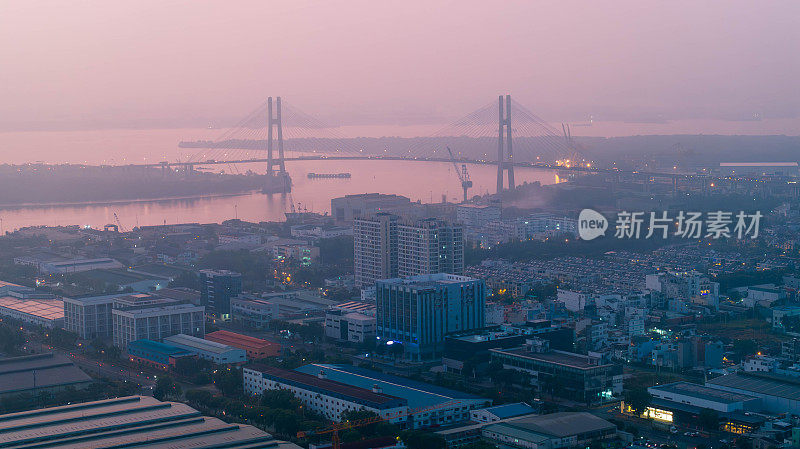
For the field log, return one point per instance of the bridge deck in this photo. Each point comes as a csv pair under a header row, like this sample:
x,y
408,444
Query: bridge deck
x,y
538,165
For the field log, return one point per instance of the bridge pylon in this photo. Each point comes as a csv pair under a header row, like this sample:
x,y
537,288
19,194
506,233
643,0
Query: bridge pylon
x,y
274,121
505,153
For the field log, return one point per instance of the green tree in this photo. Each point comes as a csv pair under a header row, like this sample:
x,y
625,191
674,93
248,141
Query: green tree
x,y
351,435
283,399
229,381
638,399
709,419
359,415
166,388
743,348
285,422
417,439
10,339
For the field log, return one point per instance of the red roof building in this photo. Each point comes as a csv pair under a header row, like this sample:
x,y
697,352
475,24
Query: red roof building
x,y
256,348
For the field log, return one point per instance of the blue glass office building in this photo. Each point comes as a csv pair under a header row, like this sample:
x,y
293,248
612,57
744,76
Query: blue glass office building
x,y
419,311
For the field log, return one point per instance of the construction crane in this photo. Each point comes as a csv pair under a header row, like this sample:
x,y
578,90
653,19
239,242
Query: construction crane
x,y
119,225
463,175
335,428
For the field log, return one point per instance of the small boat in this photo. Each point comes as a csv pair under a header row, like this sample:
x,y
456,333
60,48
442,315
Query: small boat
x,y
328,175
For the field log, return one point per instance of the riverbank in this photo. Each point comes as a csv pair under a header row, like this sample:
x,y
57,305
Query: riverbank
x,y
60,185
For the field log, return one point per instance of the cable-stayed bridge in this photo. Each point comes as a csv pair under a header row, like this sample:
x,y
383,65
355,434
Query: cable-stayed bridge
x,y
502,133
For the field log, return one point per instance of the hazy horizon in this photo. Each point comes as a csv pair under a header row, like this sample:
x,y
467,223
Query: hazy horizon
x,y
100,65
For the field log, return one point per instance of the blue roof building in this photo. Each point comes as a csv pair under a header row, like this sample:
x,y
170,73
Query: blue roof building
x,y
505,411
452,407
156,354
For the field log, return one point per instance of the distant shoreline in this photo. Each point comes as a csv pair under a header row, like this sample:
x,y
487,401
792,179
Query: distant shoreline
x,y
11,206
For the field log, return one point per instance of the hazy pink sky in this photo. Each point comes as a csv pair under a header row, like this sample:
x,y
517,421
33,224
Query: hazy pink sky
x,y
96,64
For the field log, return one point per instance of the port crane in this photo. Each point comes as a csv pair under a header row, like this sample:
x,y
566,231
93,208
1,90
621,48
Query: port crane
x,y
119,225
463,174
335,428
116,226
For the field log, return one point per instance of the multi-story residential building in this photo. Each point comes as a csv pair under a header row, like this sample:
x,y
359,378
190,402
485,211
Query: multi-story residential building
x,y
90,317
419,311
235,236
375,248
302,252
217,287
253,312
350,207
574,301
635,320
477,215
430,246
139,317
690,286
759,363
543,223
315,231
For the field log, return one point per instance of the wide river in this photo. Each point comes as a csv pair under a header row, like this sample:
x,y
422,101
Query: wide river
x,y
420,181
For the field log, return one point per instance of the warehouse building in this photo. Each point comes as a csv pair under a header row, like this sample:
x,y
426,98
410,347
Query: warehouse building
x,y
682,403
45,312
322,395
39,373
779,394
25,304
155,354
77,265
218,353
134,421
501,412
552,431
453,406
256,348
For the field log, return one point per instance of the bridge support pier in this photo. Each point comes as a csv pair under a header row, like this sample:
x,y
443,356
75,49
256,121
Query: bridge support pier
x,y
275,121
505,153
277,180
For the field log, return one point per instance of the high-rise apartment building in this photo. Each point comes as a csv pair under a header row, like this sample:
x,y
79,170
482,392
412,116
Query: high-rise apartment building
x,y
375,248
430,246
419,311
385,248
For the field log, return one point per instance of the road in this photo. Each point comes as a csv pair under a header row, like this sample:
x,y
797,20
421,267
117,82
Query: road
x,y
114,371
652,434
